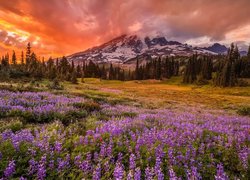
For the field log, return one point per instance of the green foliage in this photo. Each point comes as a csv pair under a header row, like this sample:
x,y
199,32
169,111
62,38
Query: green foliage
x,y
55,85
12,124
88,106
245,111
72,116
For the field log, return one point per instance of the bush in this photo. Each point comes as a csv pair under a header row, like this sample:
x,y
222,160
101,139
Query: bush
x,y
12,124
72,116
88,106
18,74
244,111
242,83
55,85
129,114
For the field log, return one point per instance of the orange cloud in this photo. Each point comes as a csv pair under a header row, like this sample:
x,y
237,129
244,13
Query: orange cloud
x,y
61,27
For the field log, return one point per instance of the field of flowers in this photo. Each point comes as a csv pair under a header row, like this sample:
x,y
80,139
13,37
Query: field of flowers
x,y
123,142
39,107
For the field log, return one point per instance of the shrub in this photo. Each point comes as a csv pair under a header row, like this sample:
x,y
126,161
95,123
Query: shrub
x,y
12,124
242,83
72,116
245,111
129,114
55,85
88,106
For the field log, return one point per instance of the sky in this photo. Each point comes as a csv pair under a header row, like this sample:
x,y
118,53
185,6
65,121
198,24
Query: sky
x,y
63,27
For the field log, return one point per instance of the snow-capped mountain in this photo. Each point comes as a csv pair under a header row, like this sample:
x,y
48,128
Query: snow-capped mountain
x,y
126,47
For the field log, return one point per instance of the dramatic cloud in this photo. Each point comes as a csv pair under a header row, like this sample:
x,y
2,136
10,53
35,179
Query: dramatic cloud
x,y
59,27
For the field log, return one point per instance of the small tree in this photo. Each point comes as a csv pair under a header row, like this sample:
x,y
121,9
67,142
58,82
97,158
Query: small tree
x,y
73,77
13,60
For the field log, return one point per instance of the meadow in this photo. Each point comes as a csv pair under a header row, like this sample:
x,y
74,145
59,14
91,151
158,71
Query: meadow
x,y
103,129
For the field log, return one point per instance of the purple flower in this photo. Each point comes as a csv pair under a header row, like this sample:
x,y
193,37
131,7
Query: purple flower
x,y
97,172
58,146
149,173
220,174
10,169
193,174
32,166
137,174
41,170
118,171
130,175
172,175
62,164
132,162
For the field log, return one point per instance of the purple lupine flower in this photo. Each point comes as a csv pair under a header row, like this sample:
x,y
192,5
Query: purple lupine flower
x,y
77,160
10,169
96,156
51,164
132,162
149,173
137,175
130,175
106,166
172,175
41,170
32,166
243,156
193,174
118,171
62,164
160,175
220,174
97,172
58,146
119,159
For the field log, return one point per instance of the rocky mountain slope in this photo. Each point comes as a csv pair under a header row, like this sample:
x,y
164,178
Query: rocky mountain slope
x,y
126,47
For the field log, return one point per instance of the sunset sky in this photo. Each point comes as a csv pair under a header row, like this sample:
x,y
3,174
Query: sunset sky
x,y
62,27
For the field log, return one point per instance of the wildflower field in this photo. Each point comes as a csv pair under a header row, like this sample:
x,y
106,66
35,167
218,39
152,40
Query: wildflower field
x,y
70,135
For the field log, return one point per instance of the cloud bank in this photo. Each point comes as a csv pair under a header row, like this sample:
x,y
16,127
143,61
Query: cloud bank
x,y
60,27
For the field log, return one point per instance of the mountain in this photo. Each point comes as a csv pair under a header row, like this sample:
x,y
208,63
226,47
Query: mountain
x,y
217,48
127,47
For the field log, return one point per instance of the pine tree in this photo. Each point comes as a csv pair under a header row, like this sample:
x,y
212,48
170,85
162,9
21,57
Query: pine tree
x,y
248,53
226,74
111,72
13,59
158,68
137,73
22,58
73,77
28,55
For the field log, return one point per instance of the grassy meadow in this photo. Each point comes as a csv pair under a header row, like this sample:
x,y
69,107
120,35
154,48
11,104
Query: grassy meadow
x,y
103,129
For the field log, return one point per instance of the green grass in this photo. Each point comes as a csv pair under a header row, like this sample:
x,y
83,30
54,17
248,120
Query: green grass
x,y
170,93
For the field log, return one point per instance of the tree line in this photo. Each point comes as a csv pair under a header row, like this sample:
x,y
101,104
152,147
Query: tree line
x,y
222,70
225,71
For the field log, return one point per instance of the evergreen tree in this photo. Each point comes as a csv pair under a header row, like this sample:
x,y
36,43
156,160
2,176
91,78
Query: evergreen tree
x,y
226,74
22,58
248,53
13,59
28,55
73,77
137,73
111,72
158,69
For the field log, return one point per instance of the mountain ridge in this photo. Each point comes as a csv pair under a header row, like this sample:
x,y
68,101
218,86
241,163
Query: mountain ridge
x,y
126,47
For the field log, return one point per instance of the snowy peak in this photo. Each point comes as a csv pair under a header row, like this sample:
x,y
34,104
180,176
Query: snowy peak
x,y
127,47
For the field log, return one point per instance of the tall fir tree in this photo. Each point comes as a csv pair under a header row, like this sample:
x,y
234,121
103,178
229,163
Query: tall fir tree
x,y
13,59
